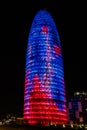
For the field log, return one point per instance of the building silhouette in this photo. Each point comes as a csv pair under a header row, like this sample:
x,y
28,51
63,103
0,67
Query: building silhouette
x,y
44,90
77,108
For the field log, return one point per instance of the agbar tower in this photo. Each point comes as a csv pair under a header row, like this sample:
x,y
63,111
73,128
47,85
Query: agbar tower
x,y
44,90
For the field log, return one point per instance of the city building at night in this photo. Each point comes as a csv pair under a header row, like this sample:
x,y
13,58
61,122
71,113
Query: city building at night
x,y
77,108
44,90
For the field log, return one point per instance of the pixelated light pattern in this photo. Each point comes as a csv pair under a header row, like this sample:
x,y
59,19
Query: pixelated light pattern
x,y
44,91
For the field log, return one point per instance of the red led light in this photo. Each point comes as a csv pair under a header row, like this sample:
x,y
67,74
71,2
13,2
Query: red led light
x,y
45,29
57,50
41,109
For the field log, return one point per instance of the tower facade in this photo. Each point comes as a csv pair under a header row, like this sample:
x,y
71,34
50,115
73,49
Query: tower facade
x,y
44,90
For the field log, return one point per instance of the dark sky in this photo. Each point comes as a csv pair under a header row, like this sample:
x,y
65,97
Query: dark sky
x,y
16,19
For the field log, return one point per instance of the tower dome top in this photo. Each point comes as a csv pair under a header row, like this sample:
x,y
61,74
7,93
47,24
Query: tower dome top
x,y
43,14
44,18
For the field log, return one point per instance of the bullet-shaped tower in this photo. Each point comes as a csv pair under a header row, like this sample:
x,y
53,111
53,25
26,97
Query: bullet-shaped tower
x,y
44,90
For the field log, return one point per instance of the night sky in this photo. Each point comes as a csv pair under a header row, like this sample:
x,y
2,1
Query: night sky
x,y
16,19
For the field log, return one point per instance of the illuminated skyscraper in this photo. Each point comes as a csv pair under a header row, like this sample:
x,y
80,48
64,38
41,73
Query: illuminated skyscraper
x,y
44,92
